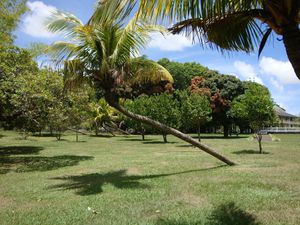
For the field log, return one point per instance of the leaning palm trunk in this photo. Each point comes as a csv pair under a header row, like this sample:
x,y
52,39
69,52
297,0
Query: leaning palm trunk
x,y
291,39
168,130
101,51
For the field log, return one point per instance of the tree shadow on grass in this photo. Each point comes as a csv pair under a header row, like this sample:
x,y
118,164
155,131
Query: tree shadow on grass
x,y
249,151
101,135
178,222
136,139
10,160
19,150
159,142
219,137
44,135
224,214
30,164
89,184
229,214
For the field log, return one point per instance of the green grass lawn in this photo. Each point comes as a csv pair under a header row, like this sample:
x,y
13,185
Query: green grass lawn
x,y
122,180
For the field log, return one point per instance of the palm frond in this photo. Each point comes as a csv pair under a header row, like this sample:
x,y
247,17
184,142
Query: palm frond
x,y
75,75
64,23
112,11
133,37
143,71
234,31
263,41
179,10
62,50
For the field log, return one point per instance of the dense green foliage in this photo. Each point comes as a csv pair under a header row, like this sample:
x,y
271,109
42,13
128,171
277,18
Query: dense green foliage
x,y
255,107
195,111
11,11
15,65
33,99
163,108
221,90
183,72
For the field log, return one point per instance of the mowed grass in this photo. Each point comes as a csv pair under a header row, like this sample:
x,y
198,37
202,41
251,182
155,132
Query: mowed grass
x,y
122,180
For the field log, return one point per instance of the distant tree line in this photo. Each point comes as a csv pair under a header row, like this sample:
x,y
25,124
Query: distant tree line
x,y
33,99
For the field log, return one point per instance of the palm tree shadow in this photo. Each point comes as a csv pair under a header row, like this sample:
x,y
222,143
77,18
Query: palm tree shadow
x,y
89,184
229,214
224,214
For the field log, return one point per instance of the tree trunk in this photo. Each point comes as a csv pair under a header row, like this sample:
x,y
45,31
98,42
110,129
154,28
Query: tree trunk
x,y
76,136
114,103
226,130
96,128
199,130
58,136
165,138
291,39
259,138
143,134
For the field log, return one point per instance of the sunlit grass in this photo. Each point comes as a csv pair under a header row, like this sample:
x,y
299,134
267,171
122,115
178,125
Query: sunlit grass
x,y
122,180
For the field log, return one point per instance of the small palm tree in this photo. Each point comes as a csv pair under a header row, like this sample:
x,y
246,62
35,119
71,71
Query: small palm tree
x,y
102,52
233,24
104,116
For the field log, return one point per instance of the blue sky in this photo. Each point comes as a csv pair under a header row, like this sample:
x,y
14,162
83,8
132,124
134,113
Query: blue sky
x,y
272,69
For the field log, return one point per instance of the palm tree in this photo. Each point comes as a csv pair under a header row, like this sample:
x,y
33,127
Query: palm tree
x,y
102,52
233,24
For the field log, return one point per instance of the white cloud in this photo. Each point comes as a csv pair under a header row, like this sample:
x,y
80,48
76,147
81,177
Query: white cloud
x,y
169,42
247,72
34,21
280,70
276,84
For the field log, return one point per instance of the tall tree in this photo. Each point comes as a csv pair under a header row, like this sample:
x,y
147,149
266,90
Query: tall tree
x,y
221,90
195,110
165,109
255,106
101,51
15,63
11,11
233,24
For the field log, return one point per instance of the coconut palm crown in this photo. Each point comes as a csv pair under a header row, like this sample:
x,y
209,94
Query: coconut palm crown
x,y
233,24
104,50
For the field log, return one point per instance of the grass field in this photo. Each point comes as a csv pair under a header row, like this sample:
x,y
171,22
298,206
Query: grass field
x,y
123,180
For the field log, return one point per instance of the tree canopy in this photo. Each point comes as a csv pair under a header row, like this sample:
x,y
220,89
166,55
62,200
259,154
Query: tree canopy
x,y
11,11
256,107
